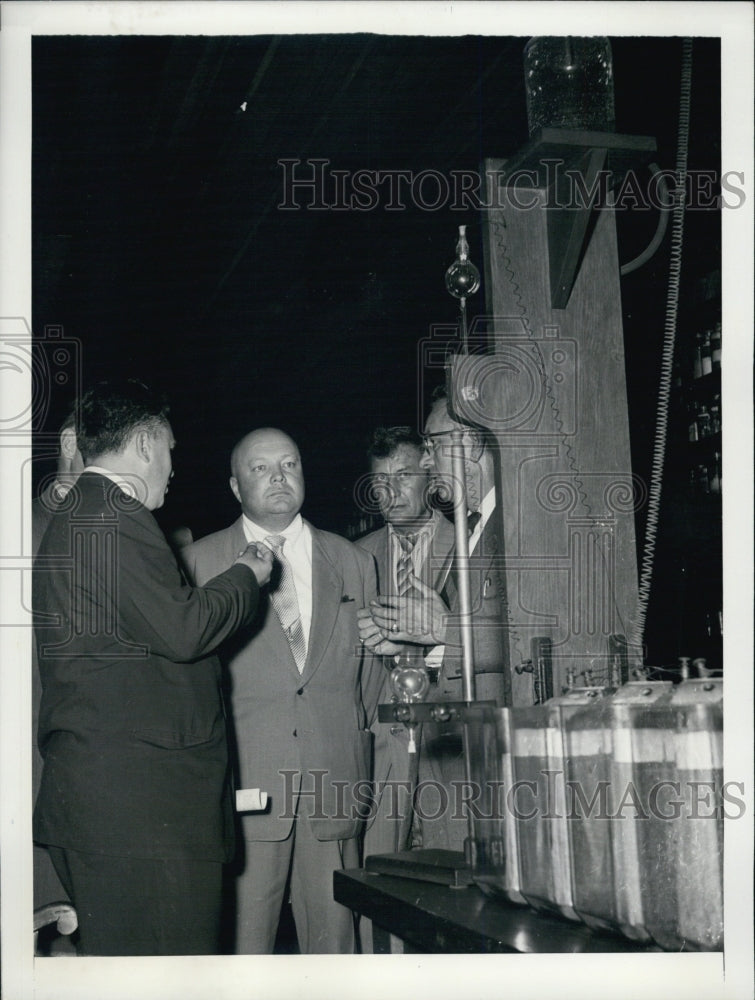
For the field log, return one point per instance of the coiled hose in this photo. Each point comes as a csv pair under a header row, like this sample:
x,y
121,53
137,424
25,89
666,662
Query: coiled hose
x,y
664,388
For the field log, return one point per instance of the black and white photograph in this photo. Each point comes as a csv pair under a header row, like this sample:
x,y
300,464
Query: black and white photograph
x,y
376,535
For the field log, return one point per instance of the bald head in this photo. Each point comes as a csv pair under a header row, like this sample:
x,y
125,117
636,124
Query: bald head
x,y
267,478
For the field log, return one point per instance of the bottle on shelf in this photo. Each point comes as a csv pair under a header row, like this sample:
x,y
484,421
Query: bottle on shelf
x,y
715,476
706,361
693,433
703,482
715,415
697,357
703,422
715,346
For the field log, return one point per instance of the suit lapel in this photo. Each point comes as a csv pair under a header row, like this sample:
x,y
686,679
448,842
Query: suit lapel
x,y
327,590
235,542
441,554
480,562
383,559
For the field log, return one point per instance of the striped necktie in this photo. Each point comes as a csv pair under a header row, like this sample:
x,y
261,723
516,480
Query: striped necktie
x,y
285,602
404,567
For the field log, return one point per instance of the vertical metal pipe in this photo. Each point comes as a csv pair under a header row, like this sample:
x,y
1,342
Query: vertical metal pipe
x,y
462,564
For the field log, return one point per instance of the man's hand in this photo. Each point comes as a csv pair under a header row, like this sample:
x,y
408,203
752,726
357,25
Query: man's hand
x,y
259,559
372,637
419,617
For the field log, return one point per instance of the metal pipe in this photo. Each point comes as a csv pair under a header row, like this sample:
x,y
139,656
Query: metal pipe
x,y
462,564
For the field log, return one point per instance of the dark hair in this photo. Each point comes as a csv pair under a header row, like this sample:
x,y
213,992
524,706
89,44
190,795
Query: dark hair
x,y
69,420
439,392
385,440
110,412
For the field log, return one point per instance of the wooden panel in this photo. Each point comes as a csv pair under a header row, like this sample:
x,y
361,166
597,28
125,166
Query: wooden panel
x,y
553,392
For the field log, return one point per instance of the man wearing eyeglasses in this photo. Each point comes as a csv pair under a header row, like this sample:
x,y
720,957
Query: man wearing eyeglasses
x,y
430,618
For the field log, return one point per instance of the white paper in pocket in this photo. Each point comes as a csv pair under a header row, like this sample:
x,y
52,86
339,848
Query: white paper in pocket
x,y
250,800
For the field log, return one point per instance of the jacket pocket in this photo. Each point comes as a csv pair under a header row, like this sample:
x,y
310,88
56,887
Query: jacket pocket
x,y
168,739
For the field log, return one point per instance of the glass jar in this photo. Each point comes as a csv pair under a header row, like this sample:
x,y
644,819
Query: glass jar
x,y
569,83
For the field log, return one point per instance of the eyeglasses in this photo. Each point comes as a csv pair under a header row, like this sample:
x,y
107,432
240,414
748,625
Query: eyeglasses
x,y
429,442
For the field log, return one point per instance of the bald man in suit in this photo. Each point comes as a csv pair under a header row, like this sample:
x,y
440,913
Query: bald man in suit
x,y
303,690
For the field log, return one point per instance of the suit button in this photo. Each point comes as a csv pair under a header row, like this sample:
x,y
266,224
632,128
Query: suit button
x,y
300,691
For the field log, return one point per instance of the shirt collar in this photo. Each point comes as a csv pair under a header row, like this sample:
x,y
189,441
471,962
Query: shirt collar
x,y
426,529
255,533
123,484
488,505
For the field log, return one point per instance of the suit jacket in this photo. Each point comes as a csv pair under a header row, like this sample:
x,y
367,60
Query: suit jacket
x,y
42,509
47,885
493,677
311,724
132,728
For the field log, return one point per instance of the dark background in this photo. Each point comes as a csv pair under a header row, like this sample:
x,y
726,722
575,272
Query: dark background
x,y
158,243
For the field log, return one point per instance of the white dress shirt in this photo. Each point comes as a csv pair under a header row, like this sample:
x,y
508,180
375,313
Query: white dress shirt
x,y
298,551
124,484
486,509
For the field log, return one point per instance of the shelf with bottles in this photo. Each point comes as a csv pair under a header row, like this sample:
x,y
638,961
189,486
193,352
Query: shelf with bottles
x,y
698,420
700,327
706,389
705,476
704,419
706,354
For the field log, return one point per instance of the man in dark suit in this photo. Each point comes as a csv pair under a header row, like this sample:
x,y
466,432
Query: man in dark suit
x,y
134,804
47,885
303,690
430,617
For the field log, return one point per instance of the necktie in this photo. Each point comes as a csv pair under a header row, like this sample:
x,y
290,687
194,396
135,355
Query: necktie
x,y
404,566
285,603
